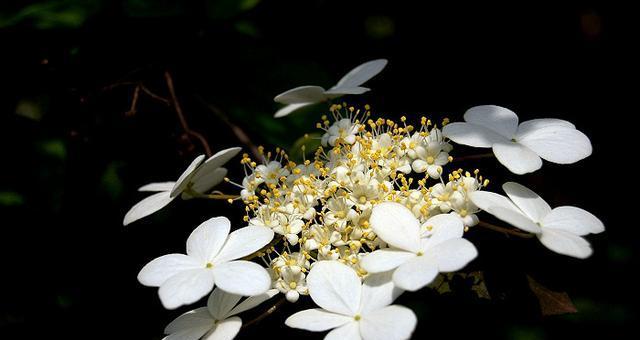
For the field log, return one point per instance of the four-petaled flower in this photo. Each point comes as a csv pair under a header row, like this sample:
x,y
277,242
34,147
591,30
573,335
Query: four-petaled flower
x,y
559,229
354,310
302,96
211,258
199,178
520,147
416,254
216,321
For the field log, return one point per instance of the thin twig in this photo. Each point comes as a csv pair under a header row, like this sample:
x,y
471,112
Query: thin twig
x,y
504,230
134,102
472,157
242,136
154,96
181,117
268,312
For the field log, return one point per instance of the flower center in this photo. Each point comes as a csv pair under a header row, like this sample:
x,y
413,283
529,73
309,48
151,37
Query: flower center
x,y
430,160
420,253
357,317
209,265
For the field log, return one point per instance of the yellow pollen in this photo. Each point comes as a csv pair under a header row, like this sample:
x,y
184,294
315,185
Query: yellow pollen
x,y
209,265
292,285
430,160
357,317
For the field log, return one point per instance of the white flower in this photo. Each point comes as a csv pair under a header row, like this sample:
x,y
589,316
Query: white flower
x,y
211,258
292,283
217,321
520,147
271,172
302,96
416,256
353,310
559,229
344,130
199,177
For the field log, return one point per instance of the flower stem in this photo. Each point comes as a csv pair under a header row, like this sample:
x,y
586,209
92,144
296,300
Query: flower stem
x,y
505,230
268,312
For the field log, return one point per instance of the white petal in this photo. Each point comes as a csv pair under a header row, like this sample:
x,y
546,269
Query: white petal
x,y
378,290
532,125
204,183
219,159
499,119
515,218
253,301
220,303
243,242
159,270
486,199
185,288
517,158
336,92
396,225
558,144
566,243
416,273
361,73
472,135
453,254
528,201
390,323
183,180
301,94
242,278
198,321
226,329
349,331
147,207
383,260
162,186
207,239
289,109
574,220
444,227
334,287
316,320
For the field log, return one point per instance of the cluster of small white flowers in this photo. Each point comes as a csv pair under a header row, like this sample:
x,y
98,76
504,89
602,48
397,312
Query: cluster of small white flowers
x,y
373,214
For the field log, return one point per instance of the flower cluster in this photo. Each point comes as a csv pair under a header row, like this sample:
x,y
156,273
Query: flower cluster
x,y
372,214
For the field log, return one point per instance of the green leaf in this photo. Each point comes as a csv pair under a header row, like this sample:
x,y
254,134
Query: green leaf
x,y
11,199
305,146
54,14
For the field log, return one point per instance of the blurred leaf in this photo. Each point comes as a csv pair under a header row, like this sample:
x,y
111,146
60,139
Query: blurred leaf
x,y
224,9
53,148
247,28
54,14
157,8
551,303
11,199
441,284
111,182
379,27
305,145
32,108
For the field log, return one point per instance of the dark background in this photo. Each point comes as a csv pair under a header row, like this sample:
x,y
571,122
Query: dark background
x,y
72,155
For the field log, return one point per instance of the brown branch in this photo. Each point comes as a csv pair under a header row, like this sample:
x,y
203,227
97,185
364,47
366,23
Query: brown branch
x,y
134,102
181,117
472,157
504,230
154,96
242,136
268,312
